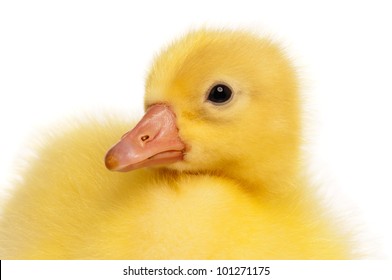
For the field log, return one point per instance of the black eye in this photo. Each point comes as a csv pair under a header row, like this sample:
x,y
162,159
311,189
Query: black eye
x,y
220,94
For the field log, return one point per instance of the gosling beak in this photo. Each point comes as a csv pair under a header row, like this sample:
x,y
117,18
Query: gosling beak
x,y
154,140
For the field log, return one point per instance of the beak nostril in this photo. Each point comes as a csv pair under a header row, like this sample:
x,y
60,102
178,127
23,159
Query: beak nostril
x,y
145,137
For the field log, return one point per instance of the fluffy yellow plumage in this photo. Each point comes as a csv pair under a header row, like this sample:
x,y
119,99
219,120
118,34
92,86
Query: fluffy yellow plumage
x,y
230,185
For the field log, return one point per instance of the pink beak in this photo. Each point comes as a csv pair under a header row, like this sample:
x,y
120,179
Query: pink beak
x,y
154,140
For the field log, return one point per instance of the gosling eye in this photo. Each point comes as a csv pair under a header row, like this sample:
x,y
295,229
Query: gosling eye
x,y
220,94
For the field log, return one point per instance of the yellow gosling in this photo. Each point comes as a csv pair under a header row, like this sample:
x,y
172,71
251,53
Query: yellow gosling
x,y
212,171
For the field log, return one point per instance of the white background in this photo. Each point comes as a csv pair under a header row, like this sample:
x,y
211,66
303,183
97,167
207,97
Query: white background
x,y
61,58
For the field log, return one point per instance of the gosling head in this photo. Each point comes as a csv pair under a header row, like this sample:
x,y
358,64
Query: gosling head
x,y
217,101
